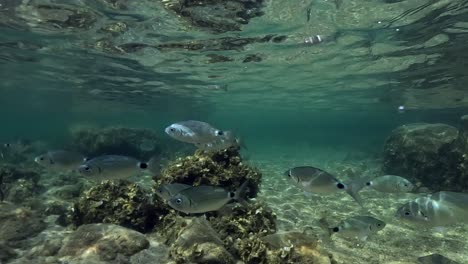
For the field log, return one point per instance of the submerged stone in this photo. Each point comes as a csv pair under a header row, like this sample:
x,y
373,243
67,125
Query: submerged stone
x,y
18,185
103,241
428,153
18,223
135,142
198,242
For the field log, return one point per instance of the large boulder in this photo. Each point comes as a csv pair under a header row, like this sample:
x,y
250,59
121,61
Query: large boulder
x,y
427,153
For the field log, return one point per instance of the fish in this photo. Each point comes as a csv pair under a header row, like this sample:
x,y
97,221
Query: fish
x,y
60,160
205,198
112,167
317,181
223,142
436,210
360,227
195,132
391,184
166,191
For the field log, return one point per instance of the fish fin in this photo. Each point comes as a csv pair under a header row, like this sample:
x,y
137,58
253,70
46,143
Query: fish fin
x,y
154,165
323,223
353,190
241,194
363,238
241,143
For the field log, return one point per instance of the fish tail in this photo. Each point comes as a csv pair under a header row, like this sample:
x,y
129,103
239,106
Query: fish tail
x,y
323,223
154,165
241,143
353,190
241,194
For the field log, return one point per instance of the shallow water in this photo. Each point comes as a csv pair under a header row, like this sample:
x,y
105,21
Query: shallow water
x,y
66,65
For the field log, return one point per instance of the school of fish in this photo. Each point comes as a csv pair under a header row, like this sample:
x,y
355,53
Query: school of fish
x,y
442,208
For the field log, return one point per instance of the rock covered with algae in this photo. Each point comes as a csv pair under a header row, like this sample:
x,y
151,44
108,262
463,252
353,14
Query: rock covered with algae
x,y
433,154
122,202
223,168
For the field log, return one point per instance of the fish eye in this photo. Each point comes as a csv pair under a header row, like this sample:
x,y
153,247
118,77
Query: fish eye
x,y
178,201
172,129
87,168
41,158
379,225
407,213
219,133
340,185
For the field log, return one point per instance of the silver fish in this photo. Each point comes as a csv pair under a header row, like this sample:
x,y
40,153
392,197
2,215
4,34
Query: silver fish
x,y
360,227
391,184
112,167
195,132
166,191
317,181
227,140
436,210
202,199
60,160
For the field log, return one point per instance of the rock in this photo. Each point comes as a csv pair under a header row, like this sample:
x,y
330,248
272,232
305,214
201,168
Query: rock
x,y
18,185
224,168
6,253
299,247
18,223
106,242
135,142
197,242
123,203
429,153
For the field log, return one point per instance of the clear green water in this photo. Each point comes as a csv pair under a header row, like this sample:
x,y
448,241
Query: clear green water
x,y
299,102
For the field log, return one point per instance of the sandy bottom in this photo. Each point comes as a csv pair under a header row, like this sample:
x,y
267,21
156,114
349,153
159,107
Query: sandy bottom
x,y
396,243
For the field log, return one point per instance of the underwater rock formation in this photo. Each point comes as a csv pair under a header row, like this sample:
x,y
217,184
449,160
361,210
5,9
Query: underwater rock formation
x,y
18,223
123,203
223,168
217,15
433,154
135,142
105,242
219,239
195,241
18,185
244,234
